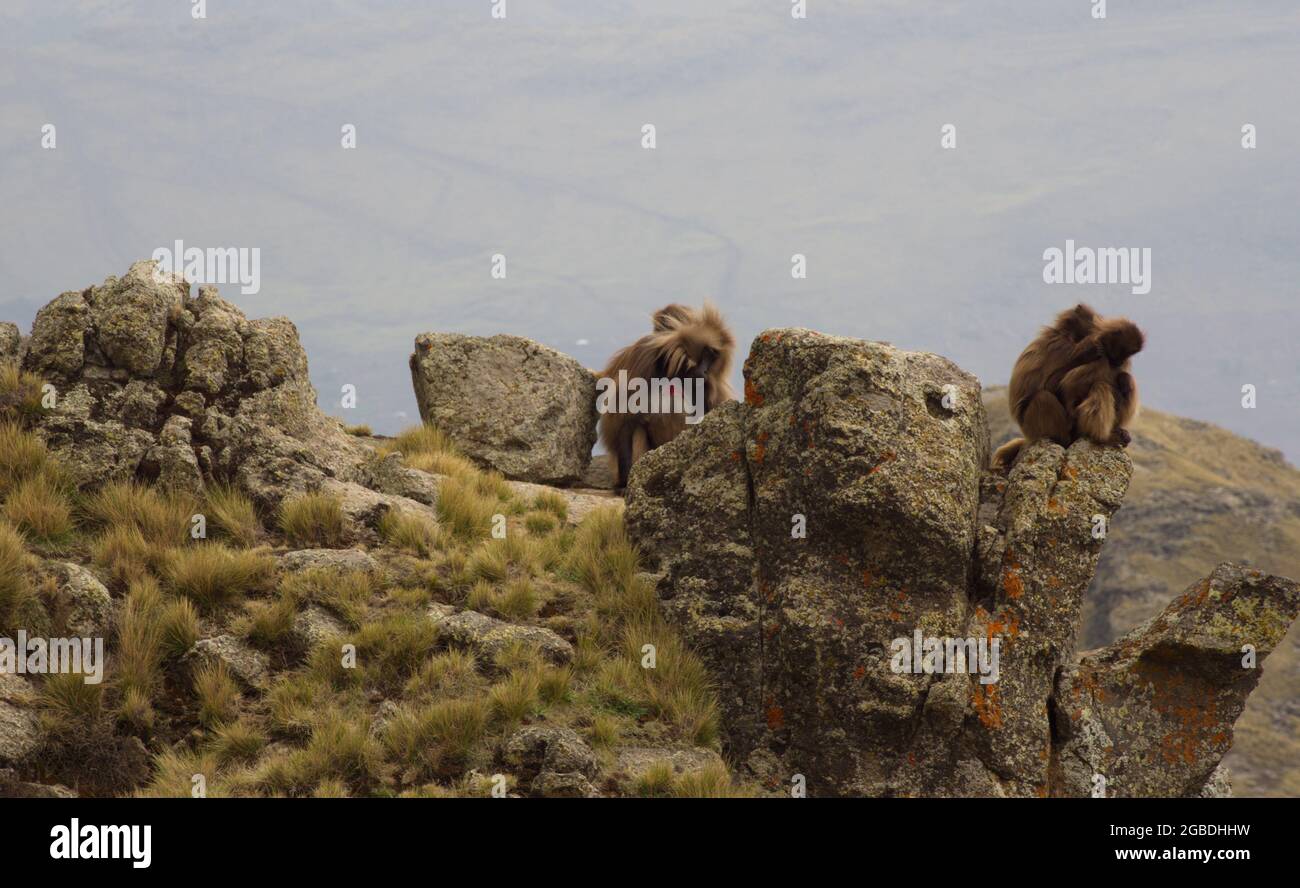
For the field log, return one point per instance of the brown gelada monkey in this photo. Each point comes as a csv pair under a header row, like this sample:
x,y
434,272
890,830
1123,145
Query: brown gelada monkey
x,y
1073,382
685,344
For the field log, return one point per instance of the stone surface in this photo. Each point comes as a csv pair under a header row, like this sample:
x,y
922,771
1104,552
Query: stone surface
x,y
247,665
152,384
878,456
1153,713
487,635
508,403
536,748
364,508
327,559
19,726
580,504
90,607
14,787
631,762
11,339
314,624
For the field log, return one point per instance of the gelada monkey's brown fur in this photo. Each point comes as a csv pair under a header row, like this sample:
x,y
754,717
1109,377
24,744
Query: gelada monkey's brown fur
x,y
686,344
1073,381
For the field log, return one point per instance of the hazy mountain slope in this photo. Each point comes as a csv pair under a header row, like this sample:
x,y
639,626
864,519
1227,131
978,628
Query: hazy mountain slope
x,y
1201,495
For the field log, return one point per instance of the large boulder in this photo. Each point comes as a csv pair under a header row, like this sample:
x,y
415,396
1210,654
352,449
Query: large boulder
x,y
804,538
508,403
156,385
1152,714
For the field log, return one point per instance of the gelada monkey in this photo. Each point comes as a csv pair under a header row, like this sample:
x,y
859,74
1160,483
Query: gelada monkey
x,y
688,347
1073,382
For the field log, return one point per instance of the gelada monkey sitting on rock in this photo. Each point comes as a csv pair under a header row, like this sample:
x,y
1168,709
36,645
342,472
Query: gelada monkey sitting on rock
x,y
1073,382
651,387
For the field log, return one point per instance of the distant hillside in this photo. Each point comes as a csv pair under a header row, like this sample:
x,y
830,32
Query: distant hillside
x,y
1201,495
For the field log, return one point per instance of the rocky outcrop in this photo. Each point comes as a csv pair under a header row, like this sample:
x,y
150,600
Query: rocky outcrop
x,y
1153,713
809,537
152,384
508,403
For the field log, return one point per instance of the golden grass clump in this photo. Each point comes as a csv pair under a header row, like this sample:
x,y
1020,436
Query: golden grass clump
x,y
552,501
17,594
465,511
232,514
213,575
40,508
313,520
410,533
22,455
216,693
139,639
163,519
437,738
20,393
178,627
348,593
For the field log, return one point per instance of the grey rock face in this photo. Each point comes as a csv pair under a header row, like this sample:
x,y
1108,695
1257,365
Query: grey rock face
x,y
334,559
487,635
153,384
11,339
90,607
508,403
844,506
1153,713
19,726
249,666
537,748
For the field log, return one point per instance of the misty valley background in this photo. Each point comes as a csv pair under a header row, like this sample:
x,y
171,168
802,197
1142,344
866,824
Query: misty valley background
x,y
775,136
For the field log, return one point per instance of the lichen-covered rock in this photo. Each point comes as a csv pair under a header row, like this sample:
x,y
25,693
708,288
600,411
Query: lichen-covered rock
x,y
20,731
130,317
804,538
487,636
332,559
154,385
1152,714
363,508
11,339
89,607
388,474
633,762
14,787
536,748
508,403
315,624
799,532
564,785
248,665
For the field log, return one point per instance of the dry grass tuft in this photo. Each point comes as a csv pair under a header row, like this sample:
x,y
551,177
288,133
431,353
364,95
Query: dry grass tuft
x,y
313,520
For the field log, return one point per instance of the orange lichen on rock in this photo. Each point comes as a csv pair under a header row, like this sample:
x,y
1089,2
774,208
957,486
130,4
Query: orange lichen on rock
x,y
887,458
752,397
985,699
760,447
